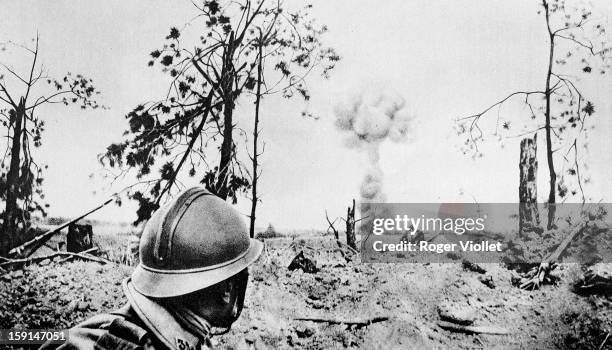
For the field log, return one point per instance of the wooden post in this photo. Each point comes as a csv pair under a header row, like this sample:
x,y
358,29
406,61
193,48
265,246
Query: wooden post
x,y
350,227
529,217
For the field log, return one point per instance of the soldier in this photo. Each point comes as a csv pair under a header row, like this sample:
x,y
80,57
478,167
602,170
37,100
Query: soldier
x,y
192,276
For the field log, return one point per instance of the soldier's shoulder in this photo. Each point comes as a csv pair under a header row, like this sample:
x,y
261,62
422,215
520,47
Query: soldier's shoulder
x,y
116,330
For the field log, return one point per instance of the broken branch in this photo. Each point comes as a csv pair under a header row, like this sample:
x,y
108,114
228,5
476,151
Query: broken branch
x,y
331,226
88,251
51,256
548,264
358,323
472,329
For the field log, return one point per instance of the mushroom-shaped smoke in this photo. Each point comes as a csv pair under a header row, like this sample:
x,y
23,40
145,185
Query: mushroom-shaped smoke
x,y
368,119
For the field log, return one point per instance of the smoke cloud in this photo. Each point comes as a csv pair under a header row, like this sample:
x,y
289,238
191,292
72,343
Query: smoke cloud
x,y
367,119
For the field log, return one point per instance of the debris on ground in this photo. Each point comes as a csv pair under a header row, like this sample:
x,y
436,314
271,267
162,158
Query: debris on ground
x,y
357,323
304,331
473,329
487,280
28,248
597,279
351,293
460,315
470,266
541,275
55,257
300,261
536,277
59,295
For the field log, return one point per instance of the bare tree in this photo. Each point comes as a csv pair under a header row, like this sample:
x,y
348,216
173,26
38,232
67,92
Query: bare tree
x,y
560,109
21,96
255,174
197,114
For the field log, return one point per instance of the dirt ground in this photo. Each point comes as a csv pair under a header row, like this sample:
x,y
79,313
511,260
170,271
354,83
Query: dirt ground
x,y
58,295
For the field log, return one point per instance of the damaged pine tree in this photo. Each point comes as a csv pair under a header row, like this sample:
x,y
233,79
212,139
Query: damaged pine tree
x,y
529,217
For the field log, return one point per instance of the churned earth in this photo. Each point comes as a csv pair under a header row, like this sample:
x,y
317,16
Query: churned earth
x,y
414,298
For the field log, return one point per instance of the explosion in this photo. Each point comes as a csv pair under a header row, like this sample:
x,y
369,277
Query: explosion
x,y
368,119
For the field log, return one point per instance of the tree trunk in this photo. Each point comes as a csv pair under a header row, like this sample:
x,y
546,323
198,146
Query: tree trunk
x,y
547,127
10,212
529,217
350,227
227,74
255,140
222,189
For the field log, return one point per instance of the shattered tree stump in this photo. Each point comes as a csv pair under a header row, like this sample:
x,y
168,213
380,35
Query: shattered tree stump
x,y
529,218
79,238
350,227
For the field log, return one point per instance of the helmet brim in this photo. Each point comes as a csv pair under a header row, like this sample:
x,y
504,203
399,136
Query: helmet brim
x,y
173,283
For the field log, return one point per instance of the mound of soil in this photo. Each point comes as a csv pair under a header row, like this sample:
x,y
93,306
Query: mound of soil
x,y
58,295
415,297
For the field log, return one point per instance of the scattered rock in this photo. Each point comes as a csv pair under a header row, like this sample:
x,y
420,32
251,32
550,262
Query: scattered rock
x,y
314,296
72,306
315,304
328,280
487,280
537,313
464,315
250,338
83,306
304,331
17,274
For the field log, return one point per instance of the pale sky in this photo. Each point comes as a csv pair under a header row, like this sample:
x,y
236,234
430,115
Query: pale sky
x,y
446,58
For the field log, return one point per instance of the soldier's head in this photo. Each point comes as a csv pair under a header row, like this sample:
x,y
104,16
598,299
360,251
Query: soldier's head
x,y
194,254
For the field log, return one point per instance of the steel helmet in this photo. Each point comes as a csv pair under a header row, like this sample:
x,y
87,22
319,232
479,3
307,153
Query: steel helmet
x,y
194,242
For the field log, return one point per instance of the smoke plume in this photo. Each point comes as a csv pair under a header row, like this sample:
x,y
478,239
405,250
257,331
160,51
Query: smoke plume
x,y
368,119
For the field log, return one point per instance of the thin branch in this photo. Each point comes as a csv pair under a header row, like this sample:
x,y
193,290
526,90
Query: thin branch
x,y
588,46
348,322
195,136
10,99
478,115
32,70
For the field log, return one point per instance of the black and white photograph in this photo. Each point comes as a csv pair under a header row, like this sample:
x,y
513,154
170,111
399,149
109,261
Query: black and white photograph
x,y
306,174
